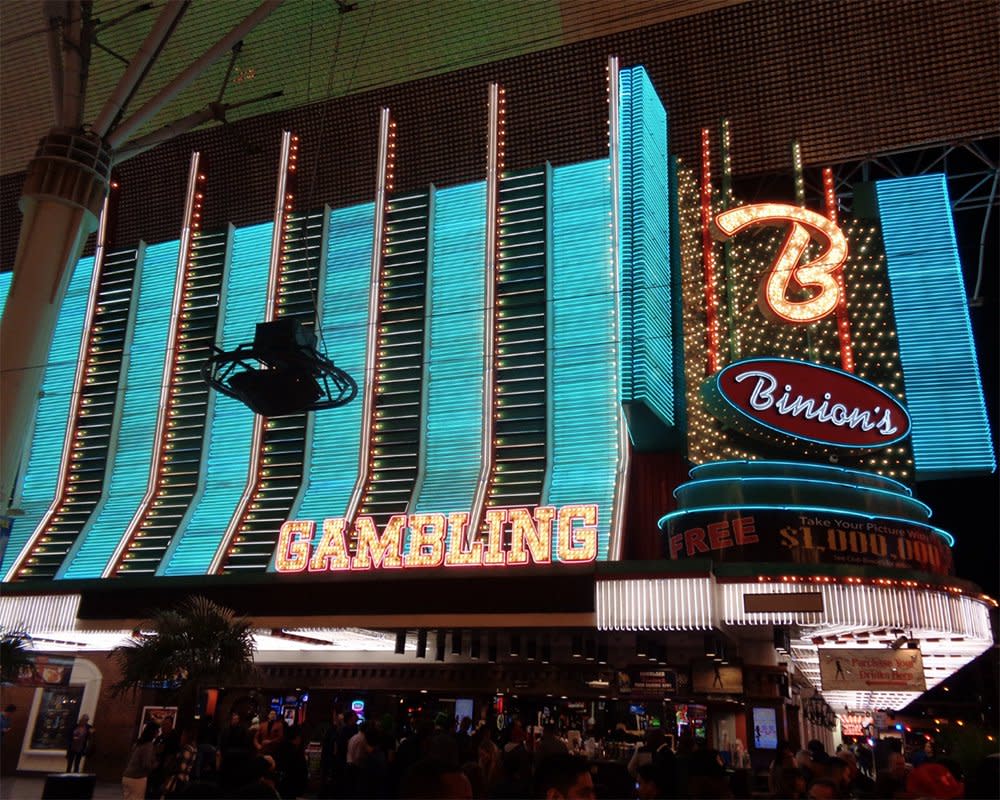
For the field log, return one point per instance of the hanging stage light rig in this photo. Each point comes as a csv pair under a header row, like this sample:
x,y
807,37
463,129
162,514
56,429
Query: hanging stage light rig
x,y
280,373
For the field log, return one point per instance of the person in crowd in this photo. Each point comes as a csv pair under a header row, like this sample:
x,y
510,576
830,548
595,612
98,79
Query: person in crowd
x,y
564,777
428,779
141,763
79,743
168,746
358,749
234,754
291,764
183,764
549,744
891,780
789,785
784,758
208,741
648,784
858,785
934,780
5,717
516,776
822,789
269,734
805,764
707,775
263,781
488,757
442,745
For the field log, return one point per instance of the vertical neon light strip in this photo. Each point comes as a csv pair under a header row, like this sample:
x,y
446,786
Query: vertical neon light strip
x,y
587,427
645,270
494,169
282,207
843,320
345,311
127,478
729,267
616,530
229,428
5,279
708,257
365,456
455,345
69,438
158,465
944,393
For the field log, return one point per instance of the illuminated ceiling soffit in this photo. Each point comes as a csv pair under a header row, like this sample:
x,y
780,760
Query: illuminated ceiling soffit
x,y
335,54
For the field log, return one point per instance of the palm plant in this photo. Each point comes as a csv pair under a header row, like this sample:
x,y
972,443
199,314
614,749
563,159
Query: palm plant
x,y
15,654
195,646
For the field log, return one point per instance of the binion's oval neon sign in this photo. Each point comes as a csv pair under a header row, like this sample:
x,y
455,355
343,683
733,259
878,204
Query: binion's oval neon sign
x,y
807,401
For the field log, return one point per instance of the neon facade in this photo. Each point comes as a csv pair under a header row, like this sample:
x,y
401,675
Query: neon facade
x,y
951,434
646,270
230,425
46,444
336,438
129,471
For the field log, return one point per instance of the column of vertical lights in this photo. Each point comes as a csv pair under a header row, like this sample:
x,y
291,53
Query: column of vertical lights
x,y
728,262
496,123
278,444
391,417
149,532
520,410
92,409
843,321
708,258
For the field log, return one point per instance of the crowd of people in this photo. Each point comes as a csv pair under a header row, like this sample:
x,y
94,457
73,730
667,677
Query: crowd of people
x,y
435,758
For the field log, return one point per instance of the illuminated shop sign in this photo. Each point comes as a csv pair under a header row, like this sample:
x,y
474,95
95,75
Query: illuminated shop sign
x,y
870,670
818,276
514,536
820,404
803,537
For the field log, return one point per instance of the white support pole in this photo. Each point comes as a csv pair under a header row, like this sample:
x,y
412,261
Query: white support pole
x,y
140,64
53,17
189,75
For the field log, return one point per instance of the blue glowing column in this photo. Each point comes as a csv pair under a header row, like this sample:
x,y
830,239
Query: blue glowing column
x,y
336,439
647,327
5,279
451,451
129,474
46,444
944,393
584,364
230,429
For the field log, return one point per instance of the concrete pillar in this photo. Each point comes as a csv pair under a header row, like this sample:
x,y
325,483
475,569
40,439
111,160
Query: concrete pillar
x,y
63,192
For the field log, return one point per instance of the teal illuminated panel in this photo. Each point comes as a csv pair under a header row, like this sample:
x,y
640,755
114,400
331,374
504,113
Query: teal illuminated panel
x,y
128,477
230,428
584,363
451,455
647,328
944,393
336,439
45,454
5,279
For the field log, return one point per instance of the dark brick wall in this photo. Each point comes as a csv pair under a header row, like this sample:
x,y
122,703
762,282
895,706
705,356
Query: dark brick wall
x,y
846,79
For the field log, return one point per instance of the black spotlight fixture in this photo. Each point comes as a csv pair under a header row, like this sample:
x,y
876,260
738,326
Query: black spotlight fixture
x,y
456,642
531,648
641,648
546,650
439,646
576,645
474,646
400,643
515,645
491,648
422,643
280,373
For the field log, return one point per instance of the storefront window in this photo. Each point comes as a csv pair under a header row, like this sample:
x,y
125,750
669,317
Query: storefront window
x,y
56,715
